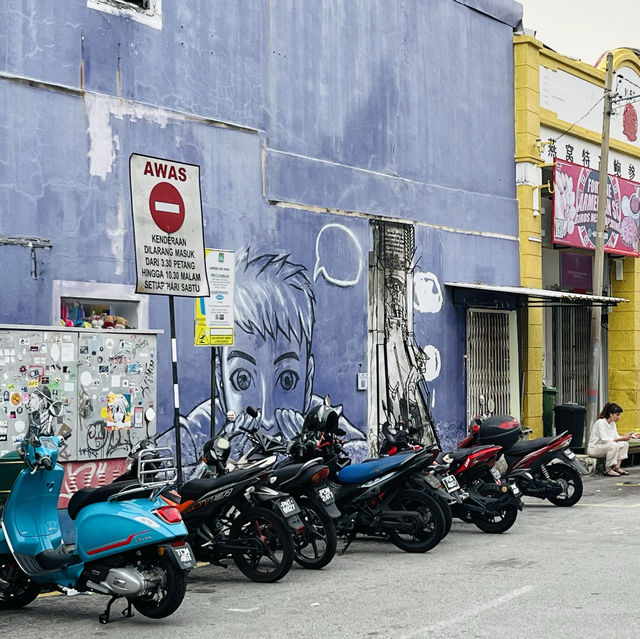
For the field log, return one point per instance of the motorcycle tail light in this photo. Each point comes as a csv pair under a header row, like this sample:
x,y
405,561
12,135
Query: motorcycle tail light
x,y
320,476
179,543
170,514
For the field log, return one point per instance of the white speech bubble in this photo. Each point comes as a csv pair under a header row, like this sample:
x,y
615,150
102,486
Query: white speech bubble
x,y
337,240
427,293
433,363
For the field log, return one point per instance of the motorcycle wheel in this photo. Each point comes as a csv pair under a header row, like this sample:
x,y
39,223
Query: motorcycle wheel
x,y
423,538
169,595
315,547
571,482
494,523
268,551
20,590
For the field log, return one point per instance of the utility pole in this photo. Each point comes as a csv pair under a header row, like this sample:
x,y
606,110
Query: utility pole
x,y
595,355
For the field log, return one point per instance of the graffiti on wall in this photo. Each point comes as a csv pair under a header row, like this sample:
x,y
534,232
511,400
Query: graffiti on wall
x,y
271,365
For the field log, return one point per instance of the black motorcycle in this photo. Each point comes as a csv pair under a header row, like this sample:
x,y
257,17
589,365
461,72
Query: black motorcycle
x,y
315,545
378,498
237,515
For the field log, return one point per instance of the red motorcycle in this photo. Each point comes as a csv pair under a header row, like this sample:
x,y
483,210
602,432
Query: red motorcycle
x,y
479,493
553,471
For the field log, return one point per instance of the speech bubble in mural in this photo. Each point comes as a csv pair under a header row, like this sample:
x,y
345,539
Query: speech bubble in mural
x,y
427,293
338,256
432,364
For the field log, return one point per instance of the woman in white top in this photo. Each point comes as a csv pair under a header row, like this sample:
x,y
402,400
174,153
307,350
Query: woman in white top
x,y
605,441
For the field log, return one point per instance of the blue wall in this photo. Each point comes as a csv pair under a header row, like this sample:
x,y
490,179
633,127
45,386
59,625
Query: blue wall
x,y
360,109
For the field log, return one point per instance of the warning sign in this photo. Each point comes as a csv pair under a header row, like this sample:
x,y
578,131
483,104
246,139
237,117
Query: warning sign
x,y
215,314
167,225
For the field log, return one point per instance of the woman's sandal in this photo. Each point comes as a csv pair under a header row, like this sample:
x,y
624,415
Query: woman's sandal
x,y
620,471
611,473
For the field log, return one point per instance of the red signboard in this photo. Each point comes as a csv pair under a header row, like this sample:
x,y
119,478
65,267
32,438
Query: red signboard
x,y
575,209
167,207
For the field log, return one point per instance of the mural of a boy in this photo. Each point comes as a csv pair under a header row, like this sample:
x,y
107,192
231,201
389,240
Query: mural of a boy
x,y
271,365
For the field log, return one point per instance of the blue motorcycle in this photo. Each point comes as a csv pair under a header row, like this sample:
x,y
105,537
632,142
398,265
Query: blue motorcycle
x,y
129,542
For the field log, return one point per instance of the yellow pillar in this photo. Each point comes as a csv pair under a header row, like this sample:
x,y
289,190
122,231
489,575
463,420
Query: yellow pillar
x,y
624,346
527,156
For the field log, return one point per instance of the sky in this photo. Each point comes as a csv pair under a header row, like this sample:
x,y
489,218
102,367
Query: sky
x,y
584,29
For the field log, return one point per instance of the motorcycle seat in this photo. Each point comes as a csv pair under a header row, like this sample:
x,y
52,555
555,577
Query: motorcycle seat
x,y
526,446
195,488
94,495
367,470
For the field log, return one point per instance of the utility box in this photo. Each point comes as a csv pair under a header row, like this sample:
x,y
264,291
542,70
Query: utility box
x,y
548,403
93,383
571,417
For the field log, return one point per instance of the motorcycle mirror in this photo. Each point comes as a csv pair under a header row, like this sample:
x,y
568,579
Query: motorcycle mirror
x,y
150,414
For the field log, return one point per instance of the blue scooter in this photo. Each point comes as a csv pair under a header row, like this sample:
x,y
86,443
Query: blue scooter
x,y
129,542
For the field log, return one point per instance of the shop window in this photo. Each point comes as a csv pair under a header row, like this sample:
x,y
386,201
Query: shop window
x,y
98,305
146,11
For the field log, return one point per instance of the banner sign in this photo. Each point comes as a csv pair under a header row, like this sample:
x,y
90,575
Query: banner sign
x,y
167,227
575,209
215,314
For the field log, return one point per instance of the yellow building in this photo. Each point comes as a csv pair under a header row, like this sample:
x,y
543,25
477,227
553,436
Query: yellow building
x,y
558,116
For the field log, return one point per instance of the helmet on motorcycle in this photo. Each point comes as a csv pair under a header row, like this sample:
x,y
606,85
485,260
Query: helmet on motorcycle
x,y
321,419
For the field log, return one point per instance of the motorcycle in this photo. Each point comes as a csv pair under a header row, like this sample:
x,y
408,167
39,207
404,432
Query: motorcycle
x,y
473,494
491,503
441,484
315,545
377,498
234,516
129,542
553,471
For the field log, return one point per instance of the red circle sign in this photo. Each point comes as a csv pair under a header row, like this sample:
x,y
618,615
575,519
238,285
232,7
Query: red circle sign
x,y
167,207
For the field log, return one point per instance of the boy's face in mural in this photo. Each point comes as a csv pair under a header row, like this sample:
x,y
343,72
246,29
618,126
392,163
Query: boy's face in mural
x,y
265,373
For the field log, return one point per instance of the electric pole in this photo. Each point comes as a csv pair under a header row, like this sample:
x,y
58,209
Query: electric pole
x,y
595,355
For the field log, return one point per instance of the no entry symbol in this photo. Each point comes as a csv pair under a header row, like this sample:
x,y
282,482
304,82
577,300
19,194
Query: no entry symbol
x,y
167,207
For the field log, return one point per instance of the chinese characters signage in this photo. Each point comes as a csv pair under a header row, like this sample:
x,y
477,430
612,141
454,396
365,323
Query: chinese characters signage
x,y
575,209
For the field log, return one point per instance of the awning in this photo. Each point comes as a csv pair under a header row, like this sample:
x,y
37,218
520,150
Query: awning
x,y
529,296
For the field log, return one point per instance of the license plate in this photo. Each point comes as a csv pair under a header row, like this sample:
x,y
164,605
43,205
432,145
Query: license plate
x,y
569,454
515,490
185,556
326,494
496,474
288,506
450,483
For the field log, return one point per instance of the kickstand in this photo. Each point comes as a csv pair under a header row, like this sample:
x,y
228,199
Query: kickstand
x,y
105,616
127,612
350,537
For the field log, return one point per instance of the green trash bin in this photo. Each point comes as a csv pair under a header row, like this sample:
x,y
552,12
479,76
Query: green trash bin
x,y
548,402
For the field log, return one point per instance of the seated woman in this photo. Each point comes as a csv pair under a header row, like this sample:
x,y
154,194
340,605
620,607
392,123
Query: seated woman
x,y
605,441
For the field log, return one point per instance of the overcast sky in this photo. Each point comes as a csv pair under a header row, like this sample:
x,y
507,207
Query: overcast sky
x,y
584,29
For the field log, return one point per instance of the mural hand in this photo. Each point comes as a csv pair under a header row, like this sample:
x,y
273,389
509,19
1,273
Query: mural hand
x,y
289,422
